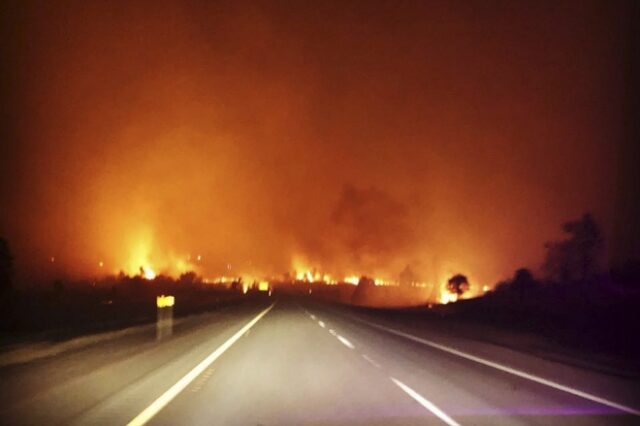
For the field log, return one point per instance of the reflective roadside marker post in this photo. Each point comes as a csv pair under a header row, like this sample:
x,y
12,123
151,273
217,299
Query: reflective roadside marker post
x,y
164,324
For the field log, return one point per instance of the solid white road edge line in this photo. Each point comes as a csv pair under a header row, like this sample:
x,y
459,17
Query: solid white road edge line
x,y
504,368
425,403
157,405
345,342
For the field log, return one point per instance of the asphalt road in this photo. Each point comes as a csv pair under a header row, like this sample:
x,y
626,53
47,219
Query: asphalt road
x,y
298,362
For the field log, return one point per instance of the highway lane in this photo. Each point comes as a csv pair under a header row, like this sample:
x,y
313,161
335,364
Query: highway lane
x,y
300,363
474,393
512,350
93,385
291,371
305,364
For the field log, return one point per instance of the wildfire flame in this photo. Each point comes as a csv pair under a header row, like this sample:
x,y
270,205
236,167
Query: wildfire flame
x,y
143,260
147,273
352,280
448,297
142,257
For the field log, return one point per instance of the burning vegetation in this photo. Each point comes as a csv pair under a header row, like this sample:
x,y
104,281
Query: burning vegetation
x,y
284,148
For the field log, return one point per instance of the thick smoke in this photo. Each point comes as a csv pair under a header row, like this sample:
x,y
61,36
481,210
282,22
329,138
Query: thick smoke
x,y
360,137
367,231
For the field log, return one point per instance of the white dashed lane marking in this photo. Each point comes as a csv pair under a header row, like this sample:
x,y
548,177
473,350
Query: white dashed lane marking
x,y
370,361
345,342
504,368
425,403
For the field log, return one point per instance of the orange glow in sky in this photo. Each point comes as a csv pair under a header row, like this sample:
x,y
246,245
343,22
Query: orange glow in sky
x,y
254,140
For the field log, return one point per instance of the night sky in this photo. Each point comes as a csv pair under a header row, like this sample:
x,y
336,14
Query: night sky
x,y
350,137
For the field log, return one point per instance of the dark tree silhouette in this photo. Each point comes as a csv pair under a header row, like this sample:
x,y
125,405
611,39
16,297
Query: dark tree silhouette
x,y
577,258
363,290
407,277
366,282
458,284
6,266
523,280
188,278
236,285
523,285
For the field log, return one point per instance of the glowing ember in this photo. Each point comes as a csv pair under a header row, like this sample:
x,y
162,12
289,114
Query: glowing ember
x,y
448,297
352,280
147,273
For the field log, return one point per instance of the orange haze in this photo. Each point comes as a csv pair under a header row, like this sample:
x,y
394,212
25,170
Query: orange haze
x,y
354,138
